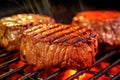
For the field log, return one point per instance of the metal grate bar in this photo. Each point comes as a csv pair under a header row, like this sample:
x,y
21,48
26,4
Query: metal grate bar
x,y
9,62
30,78
105,57
7,74
98,61
29,75
117,76
56,73
105,70
109,75
26,77
92,72
3,55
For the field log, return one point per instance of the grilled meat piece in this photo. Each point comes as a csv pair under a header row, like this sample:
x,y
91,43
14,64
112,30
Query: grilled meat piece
x,y
105,23
59,45
11,28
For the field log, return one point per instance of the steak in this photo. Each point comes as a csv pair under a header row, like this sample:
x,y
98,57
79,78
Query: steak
x,y
105,23
12,27
58,45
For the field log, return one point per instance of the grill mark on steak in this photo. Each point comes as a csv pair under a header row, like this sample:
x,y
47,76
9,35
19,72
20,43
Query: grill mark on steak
x,y
81,39
63,35
67,36
76,40
68,52
58,34
47,32
36,29
54,32
62,39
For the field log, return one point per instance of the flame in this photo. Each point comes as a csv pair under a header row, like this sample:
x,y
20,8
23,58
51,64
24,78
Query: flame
x,y
14,77
97,68
16,65
85,76
68,73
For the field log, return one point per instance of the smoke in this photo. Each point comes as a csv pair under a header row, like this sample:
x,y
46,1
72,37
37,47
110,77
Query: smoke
x,y
82,7
86,5
37,6
47,7
28,4
61,10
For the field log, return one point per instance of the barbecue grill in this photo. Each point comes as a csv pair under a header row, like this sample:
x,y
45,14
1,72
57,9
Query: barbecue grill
x,y
13,57
11,68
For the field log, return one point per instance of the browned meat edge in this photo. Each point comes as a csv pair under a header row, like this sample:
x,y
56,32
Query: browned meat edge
x,y
59,45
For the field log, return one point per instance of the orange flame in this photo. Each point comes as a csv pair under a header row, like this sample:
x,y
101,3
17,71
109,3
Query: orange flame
x,y
97,68
16,65
68,73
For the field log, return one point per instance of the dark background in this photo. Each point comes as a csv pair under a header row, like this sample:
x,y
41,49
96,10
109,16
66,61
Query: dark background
x,y
61,10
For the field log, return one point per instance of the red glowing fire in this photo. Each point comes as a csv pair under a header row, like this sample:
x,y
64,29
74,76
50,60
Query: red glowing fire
x,y
66,74
97,68
15,76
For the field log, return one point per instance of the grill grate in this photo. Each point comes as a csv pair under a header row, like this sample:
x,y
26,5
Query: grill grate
x,y
9,62
7,74
116,76
34,75
105,70
56,73
97,62
29,75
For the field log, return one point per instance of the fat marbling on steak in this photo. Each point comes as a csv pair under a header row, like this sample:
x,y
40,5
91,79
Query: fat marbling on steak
x,y
58,45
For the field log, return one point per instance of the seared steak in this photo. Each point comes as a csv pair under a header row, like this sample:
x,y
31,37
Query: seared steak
x,y
105,23
58,45
11,28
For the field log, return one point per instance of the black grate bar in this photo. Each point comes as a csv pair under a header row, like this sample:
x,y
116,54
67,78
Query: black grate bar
x,y
7,74
29,75
30,78
9,62
87,69
105,57
110,75
92,72
3,54
26,77
105,70
117,76
56,73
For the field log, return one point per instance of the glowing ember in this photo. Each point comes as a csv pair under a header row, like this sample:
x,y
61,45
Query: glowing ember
x,y
16,65
14,77
84,76
68,73
97,68
63,76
